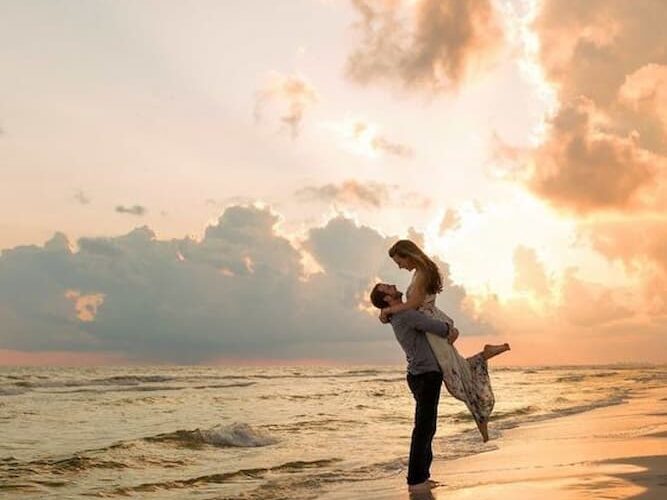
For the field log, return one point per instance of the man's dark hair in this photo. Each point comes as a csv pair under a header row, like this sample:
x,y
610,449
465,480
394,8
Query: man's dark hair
x,y
378,296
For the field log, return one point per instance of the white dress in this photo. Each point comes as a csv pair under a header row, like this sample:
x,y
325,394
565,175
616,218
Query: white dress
x,y
467,379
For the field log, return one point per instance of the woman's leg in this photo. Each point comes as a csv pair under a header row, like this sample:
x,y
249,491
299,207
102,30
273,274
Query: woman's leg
x,y
493,350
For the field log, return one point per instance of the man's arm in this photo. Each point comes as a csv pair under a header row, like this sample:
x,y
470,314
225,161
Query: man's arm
x,y
421,321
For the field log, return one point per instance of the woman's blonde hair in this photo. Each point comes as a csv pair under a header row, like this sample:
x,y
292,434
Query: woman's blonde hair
x,y
407,248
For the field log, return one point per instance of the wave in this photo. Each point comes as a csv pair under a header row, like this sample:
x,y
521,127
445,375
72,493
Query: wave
x,y
218,386
113,384
612,400
79,463
570,378
388,380
603,374
465,416
12,391
578,377
328,424
117,380
237,435
289,468
299,397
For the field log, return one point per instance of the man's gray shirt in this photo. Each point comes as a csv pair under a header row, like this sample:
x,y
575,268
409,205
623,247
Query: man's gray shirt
x,y
410,327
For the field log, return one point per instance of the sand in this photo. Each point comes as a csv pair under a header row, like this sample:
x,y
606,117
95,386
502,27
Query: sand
x,y
608,453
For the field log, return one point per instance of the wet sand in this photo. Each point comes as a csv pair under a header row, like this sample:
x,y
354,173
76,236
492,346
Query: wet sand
x,y
613,452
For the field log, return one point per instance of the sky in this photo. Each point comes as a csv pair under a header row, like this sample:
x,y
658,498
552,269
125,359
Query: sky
x,y
219,182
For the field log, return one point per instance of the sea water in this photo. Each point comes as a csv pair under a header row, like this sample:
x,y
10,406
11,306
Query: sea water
x,y
253,433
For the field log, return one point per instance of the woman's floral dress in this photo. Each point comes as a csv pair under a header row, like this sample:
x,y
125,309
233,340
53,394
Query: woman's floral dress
x,y
465,379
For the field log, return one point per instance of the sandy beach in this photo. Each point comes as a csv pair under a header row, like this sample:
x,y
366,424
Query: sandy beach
x,y
613,452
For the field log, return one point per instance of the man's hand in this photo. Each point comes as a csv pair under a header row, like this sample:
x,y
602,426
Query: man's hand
x,y
384,316
453,335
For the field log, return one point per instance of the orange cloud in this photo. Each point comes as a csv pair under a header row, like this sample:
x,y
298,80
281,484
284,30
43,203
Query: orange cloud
x,y
603,159
86,305
606,146
529,273
587,304
429,44
582,167
293,91
641,245
370,194
450,221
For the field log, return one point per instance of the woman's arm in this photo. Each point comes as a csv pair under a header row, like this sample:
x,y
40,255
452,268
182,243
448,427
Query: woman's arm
x,y
416,299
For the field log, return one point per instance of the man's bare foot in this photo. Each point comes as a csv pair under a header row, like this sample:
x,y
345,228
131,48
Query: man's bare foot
x,y
483,430
422,487
493,350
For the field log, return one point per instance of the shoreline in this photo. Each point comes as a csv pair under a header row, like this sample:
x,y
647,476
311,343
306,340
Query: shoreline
x,y
616,451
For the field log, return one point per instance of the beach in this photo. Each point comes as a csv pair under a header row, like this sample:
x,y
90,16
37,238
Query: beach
x,y
332,433
612,452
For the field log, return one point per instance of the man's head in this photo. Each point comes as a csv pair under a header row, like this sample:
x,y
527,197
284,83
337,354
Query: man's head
x,y
384,295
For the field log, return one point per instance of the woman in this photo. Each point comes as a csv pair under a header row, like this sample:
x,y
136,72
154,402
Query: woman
x,y
465,379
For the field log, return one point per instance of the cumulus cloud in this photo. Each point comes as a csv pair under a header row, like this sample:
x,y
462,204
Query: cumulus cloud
x,y
603,158
430,44
451,221
133,210
529,272
605,147
366,133
292,92
373,194
583,168
85,305
368,194
238,292
81,197
645,91
640,244
587,304
364,138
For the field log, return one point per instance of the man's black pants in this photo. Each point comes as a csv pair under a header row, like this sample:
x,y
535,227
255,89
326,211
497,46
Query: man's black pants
x,y
426,391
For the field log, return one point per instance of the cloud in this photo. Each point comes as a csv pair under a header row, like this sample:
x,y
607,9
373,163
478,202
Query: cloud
x,y
603,159
86,305
365,133
363,138
292,91
238,292
368,194
81,197
451,221
430,44
588,304
645,91
640,244
606,146
373,194
133,210
529,273
583,168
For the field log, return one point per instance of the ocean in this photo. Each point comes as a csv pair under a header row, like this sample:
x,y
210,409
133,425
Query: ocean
x,y
205,432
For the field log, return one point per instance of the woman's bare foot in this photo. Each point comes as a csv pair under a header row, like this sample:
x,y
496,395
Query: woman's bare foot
x,y
493,350
484,430
453,335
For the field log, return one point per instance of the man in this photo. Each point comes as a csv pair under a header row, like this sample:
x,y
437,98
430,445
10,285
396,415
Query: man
x,y
424,378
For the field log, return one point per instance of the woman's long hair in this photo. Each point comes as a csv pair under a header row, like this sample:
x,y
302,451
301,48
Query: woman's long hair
x,y
406,248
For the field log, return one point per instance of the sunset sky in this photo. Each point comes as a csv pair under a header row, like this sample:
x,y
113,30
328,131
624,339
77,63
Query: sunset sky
x,y
219,181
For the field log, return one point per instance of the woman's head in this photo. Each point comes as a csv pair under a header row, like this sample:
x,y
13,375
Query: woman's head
x,y
408,255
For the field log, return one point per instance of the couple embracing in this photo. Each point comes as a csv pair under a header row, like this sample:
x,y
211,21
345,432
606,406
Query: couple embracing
x,y
427,336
